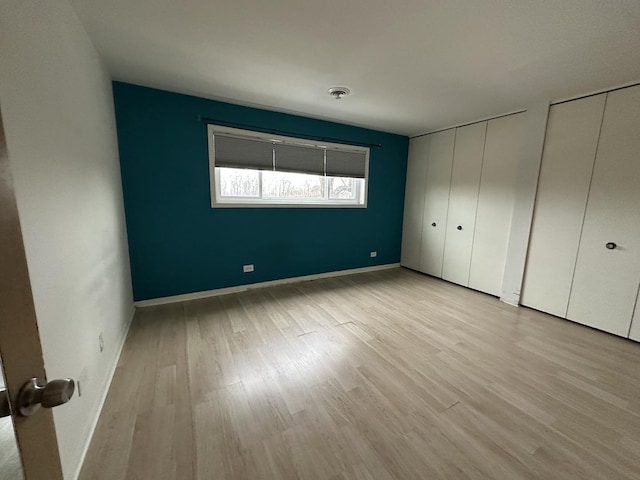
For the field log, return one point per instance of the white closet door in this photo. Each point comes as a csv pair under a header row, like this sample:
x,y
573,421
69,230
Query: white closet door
x,y
463,200
414,201
563,187
436,201
634,333
502,153
605,283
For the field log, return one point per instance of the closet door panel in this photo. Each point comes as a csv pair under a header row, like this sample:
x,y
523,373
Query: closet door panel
x,y
567,164
634,333
502,152
438,180
605,284
414,201
463,200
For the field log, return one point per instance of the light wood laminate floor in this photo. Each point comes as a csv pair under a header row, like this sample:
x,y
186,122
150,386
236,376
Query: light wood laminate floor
x,y
10,464
385,375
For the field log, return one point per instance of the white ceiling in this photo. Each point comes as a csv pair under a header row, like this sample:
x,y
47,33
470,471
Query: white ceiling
x,y
413,65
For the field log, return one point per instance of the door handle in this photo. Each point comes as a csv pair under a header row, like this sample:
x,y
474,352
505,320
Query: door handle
x,y
36,394
5,409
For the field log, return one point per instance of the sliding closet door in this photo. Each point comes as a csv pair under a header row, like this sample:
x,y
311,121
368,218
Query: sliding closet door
x,y
463,200
607,274
563,188
438,180
634,333
502,153
414,201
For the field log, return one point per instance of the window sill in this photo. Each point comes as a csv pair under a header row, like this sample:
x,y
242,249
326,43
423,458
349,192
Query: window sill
x,y
284,205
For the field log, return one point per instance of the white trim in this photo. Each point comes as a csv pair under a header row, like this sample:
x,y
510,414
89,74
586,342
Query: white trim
x,y
524,200
212,166
509,301
595,92
105,391
300,141
485,119
251,286
248,204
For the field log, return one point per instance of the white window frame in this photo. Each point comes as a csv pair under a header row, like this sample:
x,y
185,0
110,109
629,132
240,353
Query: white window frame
x,y
258,202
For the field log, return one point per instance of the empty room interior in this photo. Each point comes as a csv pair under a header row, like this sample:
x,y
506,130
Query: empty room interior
x,y
319,240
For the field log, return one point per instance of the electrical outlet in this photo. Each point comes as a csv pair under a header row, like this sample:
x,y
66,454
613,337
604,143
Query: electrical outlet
x,y
101,341
247,268
373,254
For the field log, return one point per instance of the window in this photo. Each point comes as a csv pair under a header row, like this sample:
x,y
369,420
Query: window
x,y
253,169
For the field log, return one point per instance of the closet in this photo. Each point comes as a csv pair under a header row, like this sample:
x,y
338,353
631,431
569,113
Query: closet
x,y
502,155
634,332
462,180
584,253
436,201
463,202
425,206
563,188
414,202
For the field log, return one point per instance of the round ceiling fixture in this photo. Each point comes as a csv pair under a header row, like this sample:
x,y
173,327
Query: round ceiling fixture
x,y
338,92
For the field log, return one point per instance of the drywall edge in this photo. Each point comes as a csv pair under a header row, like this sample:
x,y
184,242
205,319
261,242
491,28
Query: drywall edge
x,y
526,188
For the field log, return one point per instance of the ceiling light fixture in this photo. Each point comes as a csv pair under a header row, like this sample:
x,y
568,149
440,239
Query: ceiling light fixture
x,y
338,92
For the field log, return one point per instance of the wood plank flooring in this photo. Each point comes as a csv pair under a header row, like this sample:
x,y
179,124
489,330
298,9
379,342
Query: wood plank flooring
x,y
10,465
390,375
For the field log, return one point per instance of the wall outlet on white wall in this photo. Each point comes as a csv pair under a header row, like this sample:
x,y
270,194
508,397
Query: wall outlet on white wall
x,y
373,254
247,268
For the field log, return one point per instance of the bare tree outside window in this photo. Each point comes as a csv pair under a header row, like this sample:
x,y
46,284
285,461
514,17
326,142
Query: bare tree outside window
x,y
239,182
269,185
292,185
341,187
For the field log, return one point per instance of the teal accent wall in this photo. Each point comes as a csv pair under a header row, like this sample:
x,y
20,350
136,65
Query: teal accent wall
x,y
179,244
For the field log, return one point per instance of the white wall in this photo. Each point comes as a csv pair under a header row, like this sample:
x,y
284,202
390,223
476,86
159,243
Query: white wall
x,y
526,187
57,105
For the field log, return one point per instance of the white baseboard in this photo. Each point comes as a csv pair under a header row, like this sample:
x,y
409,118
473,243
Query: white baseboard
x,y
241,288
105,391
